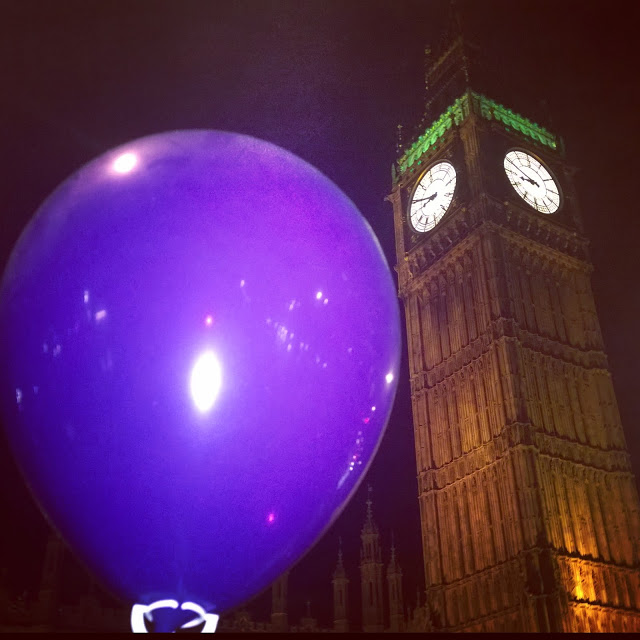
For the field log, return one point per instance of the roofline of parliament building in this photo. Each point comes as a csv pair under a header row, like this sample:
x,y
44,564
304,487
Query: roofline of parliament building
x,y
383,607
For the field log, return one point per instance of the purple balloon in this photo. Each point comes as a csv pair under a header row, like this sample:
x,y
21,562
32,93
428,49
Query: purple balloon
x,y
200,342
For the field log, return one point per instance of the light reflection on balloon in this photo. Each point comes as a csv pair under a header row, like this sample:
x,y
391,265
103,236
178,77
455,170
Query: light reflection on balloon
x,y
125,163
206,380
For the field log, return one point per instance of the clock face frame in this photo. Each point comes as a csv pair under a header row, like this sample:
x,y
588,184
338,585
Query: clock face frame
x,y
532,181
432,196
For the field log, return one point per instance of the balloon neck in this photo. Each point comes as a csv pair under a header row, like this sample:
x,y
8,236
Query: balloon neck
x,y
167,616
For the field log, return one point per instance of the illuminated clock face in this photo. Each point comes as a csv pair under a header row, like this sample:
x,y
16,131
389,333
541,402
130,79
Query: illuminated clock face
x,y
432,196
532,181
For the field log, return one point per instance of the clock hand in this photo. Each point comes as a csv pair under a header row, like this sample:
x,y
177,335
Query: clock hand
x,y
429,199
530,180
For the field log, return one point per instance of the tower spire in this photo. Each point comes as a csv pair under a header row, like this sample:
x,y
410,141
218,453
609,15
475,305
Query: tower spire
x,y
427,66
371,568
308,623
447,66
456,19
49,582
399,141
458,37
279,616
340,595
397,621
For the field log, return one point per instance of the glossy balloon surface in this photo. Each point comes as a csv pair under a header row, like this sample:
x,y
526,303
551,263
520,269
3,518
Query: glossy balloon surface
x,y
200,350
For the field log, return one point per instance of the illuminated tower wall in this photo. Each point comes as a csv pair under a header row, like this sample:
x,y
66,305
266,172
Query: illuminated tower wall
x,y
529,509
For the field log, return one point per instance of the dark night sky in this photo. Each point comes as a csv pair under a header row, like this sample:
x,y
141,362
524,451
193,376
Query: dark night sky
x,y
328,81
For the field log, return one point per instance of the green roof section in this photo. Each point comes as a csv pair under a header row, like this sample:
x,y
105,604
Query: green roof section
x,y
458,111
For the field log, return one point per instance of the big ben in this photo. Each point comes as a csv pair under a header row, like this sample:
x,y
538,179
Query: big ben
x,y
529,509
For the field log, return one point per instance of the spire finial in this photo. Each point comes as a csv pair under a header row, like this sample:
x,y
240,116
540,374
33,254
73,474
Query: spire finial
x,y
427,65
456,19
458,36
369,503
340,551
399,143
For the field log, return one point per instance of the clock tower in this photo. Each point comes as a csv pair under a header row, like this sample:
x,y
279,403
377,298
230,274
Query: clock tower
x,y
529,508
